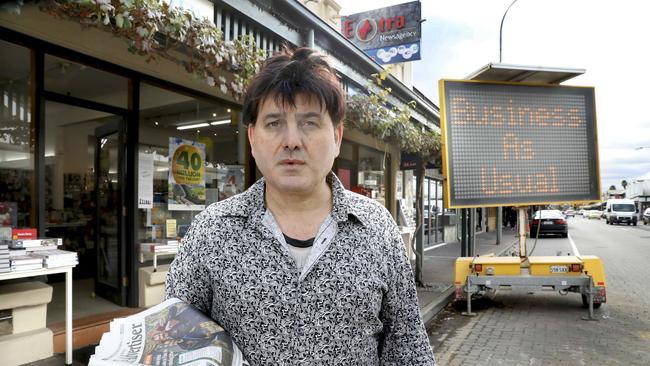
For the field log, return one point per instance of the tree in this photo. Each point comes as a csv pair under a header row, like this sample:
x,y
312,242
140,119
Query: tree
x,y
624,183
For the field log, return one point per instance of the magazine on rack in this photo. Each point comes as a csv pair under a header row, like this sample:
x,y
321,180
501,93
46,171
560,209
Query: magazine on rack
x,y
170,333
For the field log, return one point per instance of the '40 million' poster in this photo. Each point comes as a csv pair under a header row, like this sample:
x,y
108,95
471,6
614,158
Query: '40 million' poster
x,y
186,175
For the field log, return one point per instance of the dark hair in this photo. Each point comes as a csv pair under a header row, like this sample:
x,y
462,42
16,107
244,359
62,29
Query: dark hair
x,y
292,73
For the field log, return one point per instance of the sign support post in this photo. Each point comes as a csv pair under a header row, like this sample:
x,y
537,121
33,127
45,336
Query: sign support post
x,y
499,224
522,226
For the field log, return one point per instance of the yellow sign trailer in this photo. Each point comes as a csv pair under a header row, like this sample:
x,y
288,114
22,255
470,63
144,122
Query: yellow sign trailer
x,y
506,144
581,274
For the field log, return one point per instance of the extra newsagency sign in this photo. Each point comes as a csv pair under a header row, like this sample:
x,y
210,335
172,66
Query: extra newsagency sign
x,y
388,35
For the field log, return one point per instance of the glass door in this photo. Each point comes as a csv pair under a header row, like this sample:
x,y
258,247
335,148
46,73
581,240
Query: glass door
x,y
110,278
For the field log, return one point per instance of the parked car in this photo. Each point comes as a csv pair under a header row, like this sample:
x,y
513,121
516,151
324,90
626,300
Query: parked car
x,y
594,214
549,222
619,211
646,216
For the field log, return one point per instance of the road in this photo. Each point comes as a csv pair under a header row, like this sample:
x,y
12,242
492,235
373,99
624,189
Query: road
x,y
519,328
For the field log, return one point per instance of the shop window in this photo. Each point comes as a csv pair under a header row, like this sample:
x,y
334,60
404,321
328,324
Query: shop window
x,y
345,165
76,80
16,157
191,154
362,170
371,180
70,139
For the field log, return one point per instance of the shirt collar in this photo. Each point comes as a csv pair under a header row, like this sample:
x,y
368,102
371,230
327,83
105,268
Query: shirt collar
x,y
250,203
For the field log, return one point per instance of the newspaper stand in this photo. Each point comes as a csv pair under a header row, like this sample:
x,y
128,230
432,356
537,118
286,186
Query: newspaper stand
x,y
505,134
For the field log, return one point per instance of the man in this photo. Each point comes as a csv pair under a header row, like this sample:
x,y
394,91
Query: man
x,y
298,270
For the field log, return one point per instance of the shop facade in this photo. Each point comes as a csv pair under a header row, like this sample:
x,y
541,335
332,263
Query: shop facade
x,y
82,117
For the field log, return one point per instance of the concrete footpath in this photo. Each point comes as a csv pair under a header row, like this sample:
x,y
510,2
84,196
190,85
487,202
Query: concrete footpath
x,y
438,268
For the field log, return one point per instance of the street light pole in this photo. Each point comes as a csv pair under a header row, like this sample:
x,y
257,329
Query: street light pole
x,y
501,28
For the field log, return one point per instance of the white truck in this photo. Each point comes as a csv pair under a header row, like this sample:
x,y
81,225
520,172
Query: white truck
x,y
620,210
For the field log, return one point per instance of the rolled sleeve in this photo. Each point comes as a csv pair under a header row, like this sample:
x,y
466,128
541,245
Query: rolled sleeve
x,y
405,340
188,278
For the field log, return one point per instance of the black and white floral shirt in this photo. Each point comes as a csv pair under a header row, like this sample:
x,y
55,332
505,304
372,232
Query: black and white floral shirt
x,y
353,303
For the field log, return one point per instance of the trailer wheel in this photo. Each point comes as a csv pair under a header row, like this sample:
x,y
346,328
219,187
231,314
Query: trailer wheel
x,y
585,303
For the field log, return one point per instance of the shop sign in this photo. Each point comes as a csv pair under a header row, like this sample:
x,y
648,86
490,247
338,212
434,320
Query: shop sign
x,y
186,175
517,144
388,35
410,162
395,54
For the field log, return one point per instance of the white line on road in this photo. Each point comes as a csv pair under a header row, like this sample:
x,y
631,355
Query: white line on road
x,y
573,247
435,246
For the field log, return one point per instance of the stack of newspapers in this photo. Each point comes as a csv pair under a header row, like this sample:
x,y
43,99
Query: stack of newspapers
x,y
56,258
4,257
34,244
162,246
170,333
25,263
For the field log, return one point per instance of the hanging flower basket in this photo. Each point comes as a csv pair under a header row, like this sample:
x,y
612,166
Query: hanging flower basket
x,y
370,114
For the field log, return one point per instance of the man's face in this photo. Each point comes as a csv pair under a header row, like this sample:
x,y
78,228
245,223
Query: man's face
x,y
294,148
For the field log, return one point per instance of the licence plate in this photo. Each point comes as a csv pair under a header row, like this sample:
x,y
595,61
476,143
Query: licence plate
x,y
547,222
559,269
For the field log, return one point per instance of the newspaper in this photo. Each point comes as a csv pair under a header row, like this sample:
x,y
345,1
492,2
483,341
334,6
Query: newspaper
x,y
170,333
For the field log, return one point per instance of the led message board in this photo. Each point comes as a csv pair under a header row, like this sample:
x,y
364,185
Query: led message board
x,y
516,144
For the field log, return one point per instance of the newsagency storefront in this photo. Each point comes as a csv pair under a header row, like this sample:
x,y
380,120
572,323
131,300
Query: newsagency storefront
x,y
87,133
109,143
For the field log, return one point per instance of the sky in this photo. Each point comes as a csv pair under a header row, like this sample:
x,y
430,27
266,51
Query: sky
x,y
609,39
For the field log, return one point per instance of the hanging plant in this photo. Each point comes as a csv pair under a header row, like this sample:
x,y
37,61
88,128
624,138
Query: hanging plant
x,y
154,29
371,114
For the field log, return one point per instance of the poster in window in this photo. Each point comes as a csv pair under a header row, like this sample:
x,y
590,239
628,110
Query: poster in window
x,y
231,181
186,175
145,181
9,214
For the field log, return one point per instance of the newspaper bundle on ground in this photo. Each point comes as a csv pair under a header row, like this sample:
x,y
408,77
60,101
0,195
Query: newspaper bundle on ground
x,y
170,333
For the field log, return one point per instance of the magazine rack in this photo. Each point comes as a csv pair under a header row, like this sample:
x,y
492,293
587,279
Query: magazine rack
x,y
68,298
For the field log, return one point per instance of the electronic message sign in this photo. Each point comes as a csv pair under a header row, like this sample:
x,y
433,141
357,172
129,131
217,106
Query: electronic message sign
x,y
507,144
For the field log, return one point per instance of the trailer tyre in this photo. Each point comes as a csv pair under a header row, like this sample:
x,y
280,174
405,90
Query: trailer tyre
x,y
585,303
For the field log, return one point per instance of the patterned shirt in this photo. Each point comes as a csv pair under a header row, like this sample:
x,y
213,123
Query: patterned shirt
x,y
353,303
